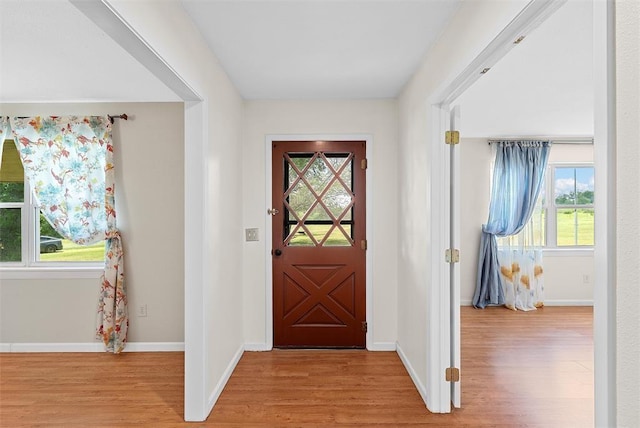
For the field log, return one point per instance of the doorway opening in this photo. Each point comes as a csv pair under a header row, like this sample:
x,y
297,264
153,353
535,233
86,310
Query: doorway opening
x,y
604,315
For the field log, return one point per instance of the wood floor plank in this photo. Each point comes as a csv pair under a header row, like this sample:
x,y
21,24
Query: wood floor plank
x,y
544,379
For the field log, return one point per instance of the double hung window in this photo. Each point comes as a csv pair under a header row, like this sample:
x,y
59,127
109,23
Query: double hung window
x,y
26,238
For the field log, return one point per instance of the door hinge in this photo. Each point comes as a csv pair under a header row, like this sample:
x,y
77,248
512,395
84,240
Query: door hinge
x,y
452,137
452,255
364,326
363,244
364,164
452,374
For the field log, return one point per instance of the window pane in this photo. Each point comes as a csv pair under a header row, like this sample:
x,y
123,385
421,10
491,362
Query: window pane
x,y
10,235
338,239
301,239
11,174
584,186
585,226
54,248
566,227
574,186
565,186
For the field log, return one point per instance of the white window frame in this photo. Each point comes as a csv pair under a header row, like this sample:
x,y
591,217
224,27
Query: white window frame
x,y
551,208
30,266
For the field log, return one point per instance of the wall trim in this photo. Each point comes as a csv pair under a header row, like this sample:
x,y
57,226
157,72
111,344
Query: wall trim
x,y
554,302
257,347
90,347
375,347
569,302
382,346
412,373
217,390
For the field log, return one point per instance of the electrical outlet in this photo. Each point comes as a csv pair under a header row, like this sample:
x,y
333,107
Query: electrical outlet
x,y
251,234
142,310
586,279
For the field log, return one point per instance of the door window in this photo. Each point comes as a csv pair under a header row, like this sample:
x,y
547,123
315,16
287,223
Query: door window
x,y
318,199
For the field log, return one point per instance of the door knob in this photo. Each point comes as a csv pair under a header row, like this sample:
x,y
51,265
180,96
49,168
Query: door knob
x,y
272,211
278,252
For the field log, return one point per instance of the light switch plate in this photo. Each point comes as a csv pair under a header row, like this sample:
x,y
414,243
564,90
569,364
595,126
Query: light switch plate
x,y
251,234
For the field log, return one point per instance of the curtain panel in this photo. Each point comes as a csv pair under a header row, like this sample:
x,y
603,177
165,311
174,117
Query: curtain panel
x,y
517,181
68,161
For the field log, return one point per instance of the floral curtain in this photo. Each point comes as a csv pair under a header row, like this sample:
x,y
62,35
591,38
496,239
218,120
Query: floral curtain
x,y
517,180
68,161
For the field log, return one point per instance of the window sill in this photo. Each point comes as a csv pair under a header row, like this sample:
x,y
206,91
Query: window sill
x,y
48,272
568,252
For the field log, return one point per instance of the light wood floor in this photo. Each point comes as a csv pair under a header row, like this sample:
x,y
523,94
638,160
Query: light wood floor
x,y
543,381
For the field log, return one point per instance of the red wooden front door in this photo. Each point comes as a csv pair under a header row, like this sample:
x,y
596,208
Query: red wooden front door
x,y
319,244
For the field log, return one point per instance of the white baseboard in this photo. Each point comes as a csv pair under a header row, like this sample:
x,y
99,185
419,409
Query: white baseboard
x,y
412,373
256,347
154,347
568,302
91,347
555,302
378,346
383,346
217,390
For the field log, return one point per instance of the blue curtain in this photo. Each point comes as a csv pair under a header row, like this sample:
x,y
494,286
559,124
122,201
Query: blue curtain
x,y
517,180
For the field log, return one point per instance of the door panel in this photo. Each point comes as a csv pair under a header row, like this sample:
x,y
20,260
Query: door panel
x,y
318,256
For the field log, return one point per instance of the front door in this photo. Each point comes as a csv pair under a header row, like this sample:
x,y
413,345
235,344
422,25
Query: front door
x,y
319,244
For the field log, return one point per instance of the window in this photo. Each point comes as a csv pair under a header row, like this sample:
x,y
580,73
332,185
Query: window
x,y
571,210
26,238
565,220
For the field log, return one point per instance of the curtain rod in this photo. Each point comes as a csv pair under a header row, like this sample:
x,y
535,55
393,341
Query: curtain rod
x,y
554,140
122,116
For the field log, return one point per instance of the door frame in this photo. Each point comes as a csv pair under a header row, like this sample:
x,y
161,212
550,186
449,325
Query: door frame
x,y
604,323
268,310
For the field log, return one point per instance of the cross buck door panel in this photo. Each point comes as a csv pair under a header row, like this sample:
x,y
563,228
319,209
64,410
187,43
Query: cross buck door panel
x,y
319,244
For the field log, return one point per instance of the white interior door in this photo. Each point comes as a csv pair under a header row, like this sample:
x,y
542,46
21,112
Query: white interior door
x,y
454,236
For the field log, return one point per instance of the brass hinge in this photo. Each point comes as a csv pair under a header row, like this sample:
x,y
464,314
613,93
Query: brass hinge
x,y
452,137
364,326
452,374
363,244
452,255
364,164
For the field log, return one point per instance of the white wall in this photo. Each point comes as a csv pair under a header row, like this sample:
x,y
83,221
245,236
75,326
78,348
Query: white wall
x,y
628,207
213,129
455,49
563,272
149,198
375,117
